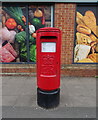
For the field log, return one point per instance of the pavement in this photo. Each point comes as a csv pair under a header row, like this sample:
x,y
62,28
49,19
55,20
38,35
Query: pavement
x,y
77,98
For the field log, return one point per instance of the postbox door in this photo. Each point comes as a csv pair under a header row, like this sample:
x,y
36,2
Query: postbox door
x,y
48,64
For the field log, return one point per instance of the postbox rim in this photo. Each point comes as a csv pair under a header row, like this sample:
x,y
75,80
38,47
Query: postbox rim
x,y
49,29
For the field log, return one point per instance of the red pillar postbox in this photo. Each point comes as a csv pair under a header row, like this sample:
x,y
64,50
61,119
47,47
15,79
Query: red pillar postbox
x,y
48,66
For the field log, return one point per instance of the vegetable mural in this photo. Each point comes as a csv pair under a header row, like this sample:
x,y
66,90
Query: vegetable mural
x,y
86,48
16,36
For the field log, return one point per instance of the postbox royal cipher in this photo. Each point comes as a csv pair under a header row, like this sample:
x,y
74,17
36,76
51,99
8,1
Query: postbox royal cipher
x,y
48,58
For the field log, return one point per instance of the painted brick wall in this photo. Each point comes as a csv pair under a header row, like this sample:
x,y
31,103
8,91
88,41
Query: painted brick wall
x,y
64,18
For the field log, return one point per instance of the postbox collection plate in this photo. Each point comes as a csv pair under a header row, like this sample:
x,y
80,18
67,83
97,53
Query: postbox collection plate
x,y
48,47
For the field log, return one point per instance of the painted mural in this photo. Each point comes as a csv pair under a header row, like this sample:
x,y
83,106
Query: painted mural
x,y
86,45
18,35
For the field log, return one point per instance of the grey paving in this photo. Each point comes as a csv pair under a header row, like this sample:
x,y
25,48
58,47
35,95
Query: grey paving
x,y
77,98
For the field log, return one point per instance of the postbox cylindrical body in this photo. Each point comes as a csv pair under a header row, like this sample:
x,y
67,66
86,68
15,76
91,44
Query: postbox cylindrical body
x,y
48,58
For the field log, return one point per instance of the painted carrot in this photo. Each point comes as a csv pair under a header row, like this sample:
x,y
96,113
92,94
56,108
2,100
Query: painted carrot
x,y
24,19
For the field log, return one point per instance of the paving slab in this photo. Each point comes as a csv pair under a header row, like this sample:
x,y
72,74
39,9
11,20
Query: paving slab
x,y
77,98
61,112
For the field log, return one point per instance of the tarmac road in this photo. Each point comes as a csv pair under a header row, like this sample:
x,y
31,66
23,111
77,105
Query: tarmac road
x,y
77,98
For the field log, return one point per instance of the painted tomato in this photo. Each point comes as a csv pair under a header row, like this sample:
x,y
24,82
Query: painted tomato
x,y
11,23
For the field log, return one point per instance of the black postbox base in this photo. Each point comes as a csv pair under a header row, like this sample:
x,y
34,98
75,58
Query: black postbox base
x,y
48,99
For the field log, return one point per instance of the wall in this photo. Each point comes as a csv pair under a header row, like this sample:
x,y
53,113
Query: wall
x,y
64,18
